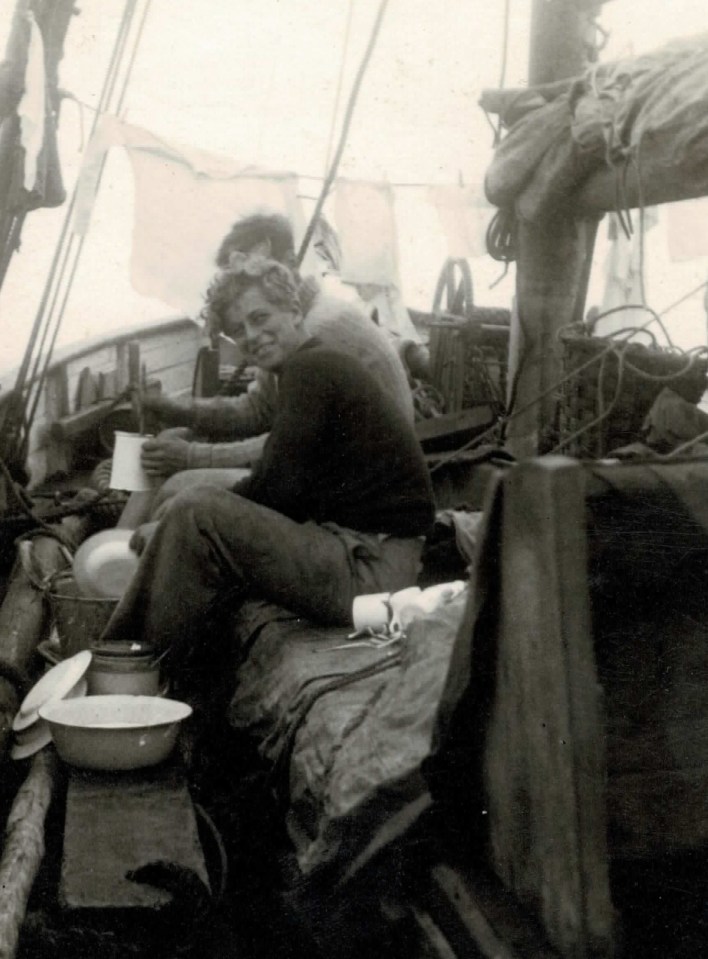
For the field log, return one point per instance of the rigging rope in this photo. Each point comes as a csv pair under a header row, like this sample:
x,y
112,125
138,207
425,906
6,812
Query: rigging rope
x,y
329,180
26,360
70,249
504,421
340,78
505,55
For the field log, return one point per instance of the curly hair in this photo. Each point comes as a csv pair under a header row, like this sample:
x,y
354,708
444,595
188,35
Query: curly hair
x,y
258,228
276,282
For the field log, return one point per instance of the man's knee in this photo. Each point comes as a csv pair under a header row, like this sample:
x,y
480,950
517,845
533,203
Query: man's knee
x,y
175,485
197,497
210,504
191,511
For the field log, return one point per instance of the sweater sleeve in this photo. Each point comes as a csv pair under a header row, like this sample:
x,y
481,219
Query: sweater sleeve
x,y
237,417
226,455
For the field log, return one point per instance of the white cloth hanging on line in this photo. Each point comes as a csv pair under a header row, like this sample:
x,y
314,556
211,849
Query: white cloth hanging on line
x,y
366,225
687,229
186,200
464,214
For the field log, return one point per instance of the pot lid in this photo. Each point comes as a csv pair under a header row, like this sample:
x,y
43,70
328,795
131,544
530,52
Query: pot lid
x,y
122,649
55,684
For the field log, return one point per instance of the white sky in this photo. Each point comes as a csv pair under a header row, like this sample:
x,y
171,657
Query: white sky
x,y
256,80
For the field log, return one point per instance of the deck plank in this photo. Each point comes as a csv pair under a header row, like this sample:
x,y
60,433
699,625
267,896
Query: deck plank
x,y
116,822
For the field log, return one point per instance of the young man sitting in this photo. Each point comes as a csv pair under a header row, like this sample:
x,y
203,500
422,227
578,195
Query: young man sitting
x,y
338,504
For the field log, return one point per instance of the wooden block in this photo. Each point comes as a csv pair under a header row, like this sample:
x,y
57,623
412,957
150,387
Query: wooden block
x,y
56,393
206,376
58,458
116,822
108,385
134,362
87,392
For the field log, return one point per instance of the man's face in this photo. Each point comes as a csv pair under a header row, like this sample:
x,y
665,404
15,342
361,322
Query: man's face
x,y
266,334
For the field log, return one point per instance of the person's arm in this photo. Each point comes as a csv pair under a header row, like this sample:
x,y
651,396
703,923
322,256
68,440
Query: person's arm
x,y
221,417
241,453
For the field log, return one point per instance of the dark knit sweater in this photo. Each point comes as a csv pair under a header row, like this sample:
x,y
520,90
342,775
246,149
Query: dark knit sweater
x,y
340,451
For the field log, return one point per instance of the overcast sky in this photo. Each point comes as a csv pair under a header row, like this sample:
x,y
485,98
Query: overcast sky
x,y
256,80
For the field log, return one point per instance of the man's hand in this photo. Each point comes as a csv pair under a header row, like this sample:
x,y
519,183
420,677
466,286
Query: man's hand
x,y
142,536
162,457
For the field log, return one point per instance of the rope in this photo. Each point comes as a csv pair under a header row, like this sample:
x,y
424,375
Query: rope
x,y
505,55
329,180
133,55
604,413
500,238
503,422
642,227
505,44
682,299
340,78
51,319
77,247
684,446
26,360
27,510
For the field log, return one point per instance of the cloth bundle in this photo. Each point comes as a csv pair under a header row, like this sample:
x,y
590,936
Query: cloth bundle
x,y
561,133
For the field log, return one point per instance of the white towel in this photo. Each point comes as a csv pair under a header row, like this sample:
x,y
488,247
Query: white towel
x,y
464,214
687,229
366,226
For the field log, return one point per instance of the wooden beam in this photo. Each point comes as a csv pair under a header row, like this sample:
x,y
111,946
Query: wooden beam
x,y
545,766
554,256
557,43
23,847
551,284
67,427
657,178
134,362
87,391
76,423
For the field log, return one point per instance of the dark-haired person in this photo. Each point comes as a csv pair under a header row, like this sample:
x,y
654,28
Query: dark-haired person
x,y
337,505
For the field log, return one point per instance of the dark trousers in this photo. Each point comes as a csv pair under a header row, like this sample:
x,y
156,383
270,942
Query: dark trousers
x,y
213,548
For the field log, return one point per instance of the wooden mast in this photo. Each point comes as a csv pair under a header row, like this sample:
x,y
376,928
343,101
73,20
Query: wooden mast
x,y
554,256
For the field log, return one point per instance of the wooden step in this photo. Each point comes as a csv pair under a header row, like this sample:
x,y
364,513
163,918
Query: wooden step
x,y
116,822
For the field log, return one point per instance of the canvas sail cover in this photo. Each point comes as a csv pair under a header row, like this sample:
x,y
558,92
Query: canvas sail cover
x,y
614,116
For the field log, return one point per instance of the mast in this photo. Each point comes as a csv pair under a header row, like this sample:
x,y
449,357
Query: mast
x,y
554,256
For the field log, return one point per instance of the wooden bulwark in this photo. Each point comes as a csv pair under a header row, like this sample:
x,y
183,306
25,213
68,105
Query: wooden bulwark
x,y
82,382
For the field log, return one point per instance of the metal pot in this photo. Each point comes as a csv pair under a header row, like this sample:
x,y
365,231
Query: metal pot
x,y
123,669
